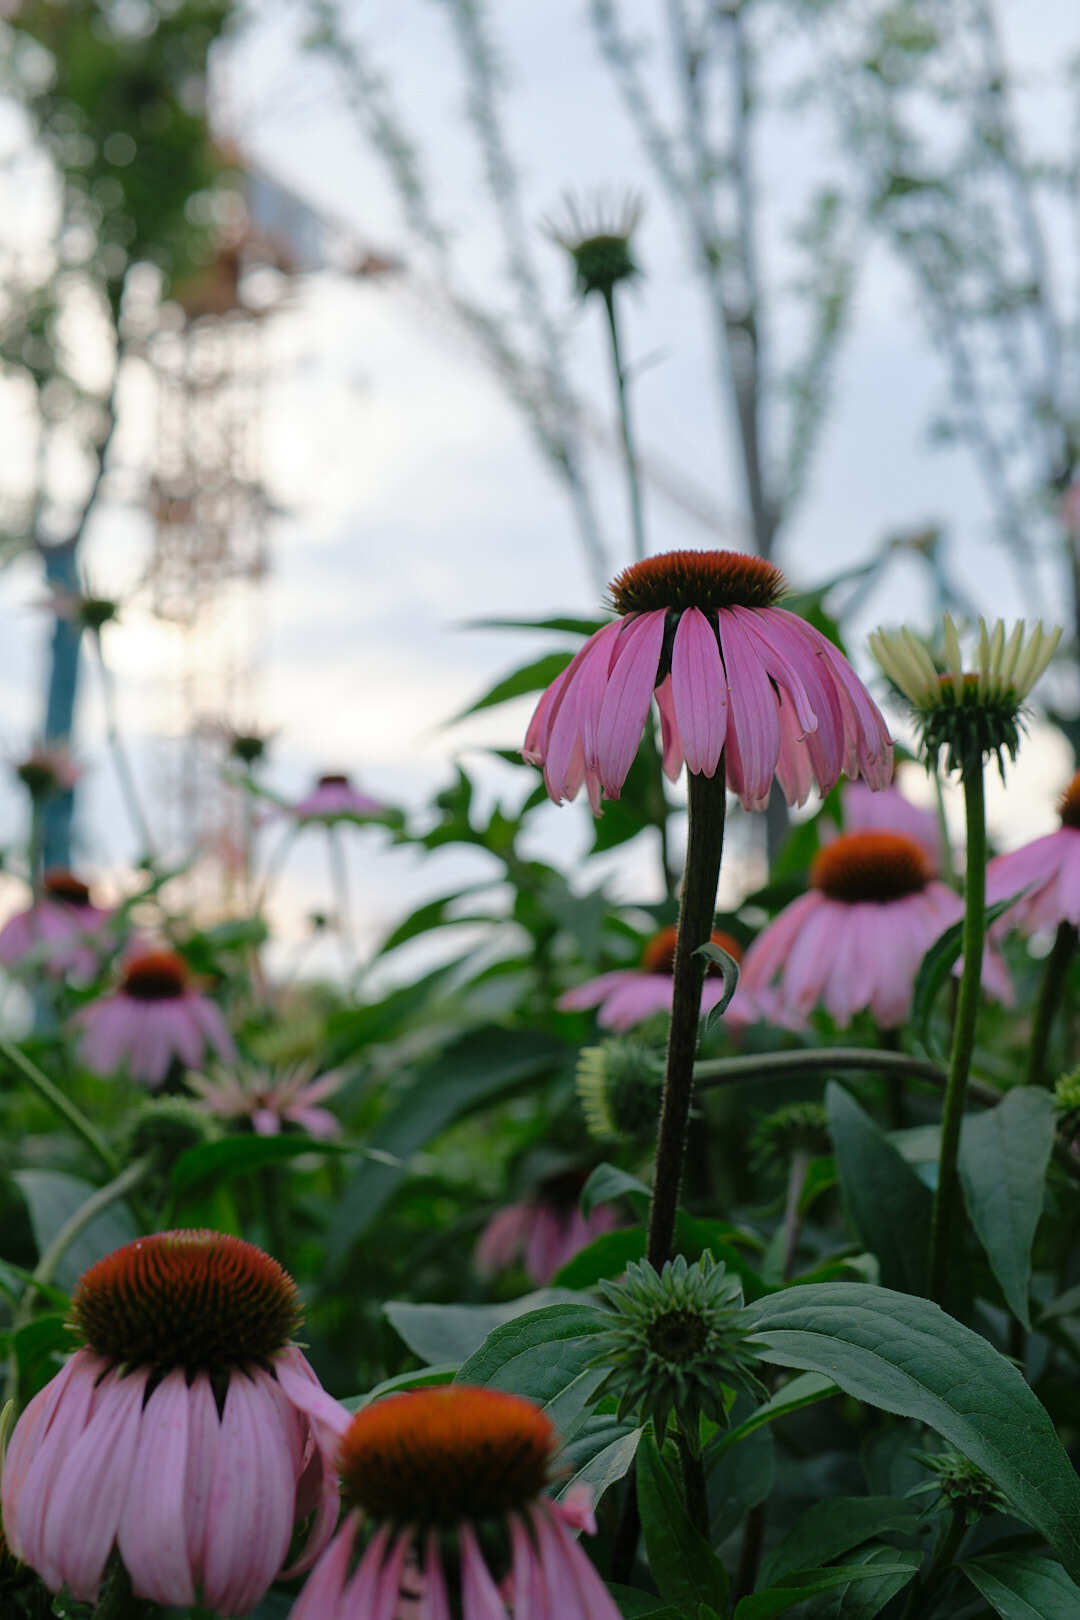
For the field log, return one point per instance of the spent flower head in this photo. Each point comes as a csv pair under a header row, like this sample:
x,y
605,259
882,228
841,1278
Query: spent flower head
x,y
598,235
971,714
618,1085
675,1344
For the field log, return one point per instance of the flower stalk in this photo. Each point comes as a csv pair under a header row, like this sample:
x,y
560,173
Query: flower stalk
x,y
705,842
963,1042
633,481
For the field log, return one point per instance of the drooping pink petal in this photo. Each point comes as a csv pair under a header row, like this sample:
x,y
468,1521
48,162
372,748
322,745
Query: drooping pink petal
x,y
591,682
203,1438
753,735
321,1598
669,730
699,691
766,956
151,1534
434,1602
480,1598
252,1497
576,1589
502,1239
211,1020
627,696
593,991
636,999
29,1479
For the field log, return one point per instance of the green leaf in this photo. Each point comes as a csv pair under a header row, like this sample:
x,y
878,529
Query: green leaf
x,y
608,1461
681,1562
889,1206
808,1582
904,1355
1003,1157
805,1390
532,677
729,972
51,1198
1024,1586
865,1598
567,626
480,1067
241,1155
606,1256
44,1337
829,1529
452,1333
434,914
545,1356
936,966
608,1183
13,1279
419,1378
635,1605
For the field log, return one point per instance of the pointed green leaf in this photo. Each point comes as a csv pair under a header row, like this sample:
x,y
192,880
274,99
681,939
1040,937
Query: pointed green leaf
x,y
1004,1153
829,1529
889,1206
681,1562
532,677
798,1392
905,1355
936,966
439,1333
1023,1586
806,1583
545,1356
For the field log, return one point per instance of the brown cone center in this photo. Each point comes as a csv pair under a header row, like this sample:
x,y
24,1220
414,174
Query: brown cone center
x,y
703,579
157,976
1069,804
878,866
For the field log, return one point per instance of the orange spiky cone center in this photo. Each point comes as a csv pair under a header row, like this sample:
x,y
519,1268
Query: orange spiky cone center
x,y
879,866
437,1456
157,976
703,579
659,953
1069,804
199,1300
60,884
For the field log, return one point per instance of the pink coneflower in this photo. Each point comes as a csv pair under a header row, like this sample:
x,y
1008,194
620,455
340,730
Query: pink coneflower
x,y
333,798
730,671
272,1101
154,1017
628,996
1049,868
58,931
857,939
545,1231
887,810
189,1432
451,1483
47,770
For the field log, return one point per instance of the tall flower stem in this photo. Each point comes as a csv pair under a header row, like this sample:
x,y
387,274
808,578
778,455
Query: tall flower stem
x,y
57,1099
963,1042
633,483
1053,983
705,842
800,1164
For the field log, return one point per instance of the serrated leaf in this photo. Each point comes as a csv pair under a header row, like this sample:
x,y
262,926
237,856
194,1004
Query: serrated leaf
x,y
544,1356
904,1355
889,1206
1024,1586
1004,1153
681,1562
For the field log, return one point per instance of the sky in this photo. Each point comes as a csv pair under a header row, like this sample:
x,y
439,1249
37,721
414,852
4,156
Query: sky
x,y
410,498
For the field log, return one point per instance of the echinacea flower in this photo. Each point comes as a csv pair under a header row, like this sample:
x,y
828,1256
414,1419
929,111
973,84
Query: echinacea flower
x,y
971,714
888,810
448,1488
628,996
545,1231
856,940
188,1432
598,236
733,674
333,798
271,1100
57,933
153,1017
1048,869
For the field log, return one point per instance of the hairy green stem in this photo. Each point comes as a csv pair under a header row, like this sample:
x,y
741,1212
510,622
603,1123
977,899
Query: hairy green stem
x,y
963,1043
633,483
713,1072
1050,993
63,1105
705,842
800,1164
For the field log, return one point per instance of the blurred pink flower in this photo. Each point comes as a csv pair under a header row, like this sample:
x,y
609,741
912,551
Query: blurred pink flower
x,y
271,1101
154,1016
333,798
730,670
628,996
189,1433
887,810
544,1232
1049,868
58,933
856,940
454,1465
47,770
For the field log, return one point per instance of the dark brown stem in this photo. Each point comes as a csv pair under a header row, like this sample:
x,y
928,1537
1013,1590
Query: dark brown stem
x,y
707,798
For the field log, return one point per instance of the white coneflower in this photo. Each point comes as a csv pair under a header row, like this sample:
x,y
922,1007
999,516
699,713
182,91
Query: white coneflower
x,y
973,713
